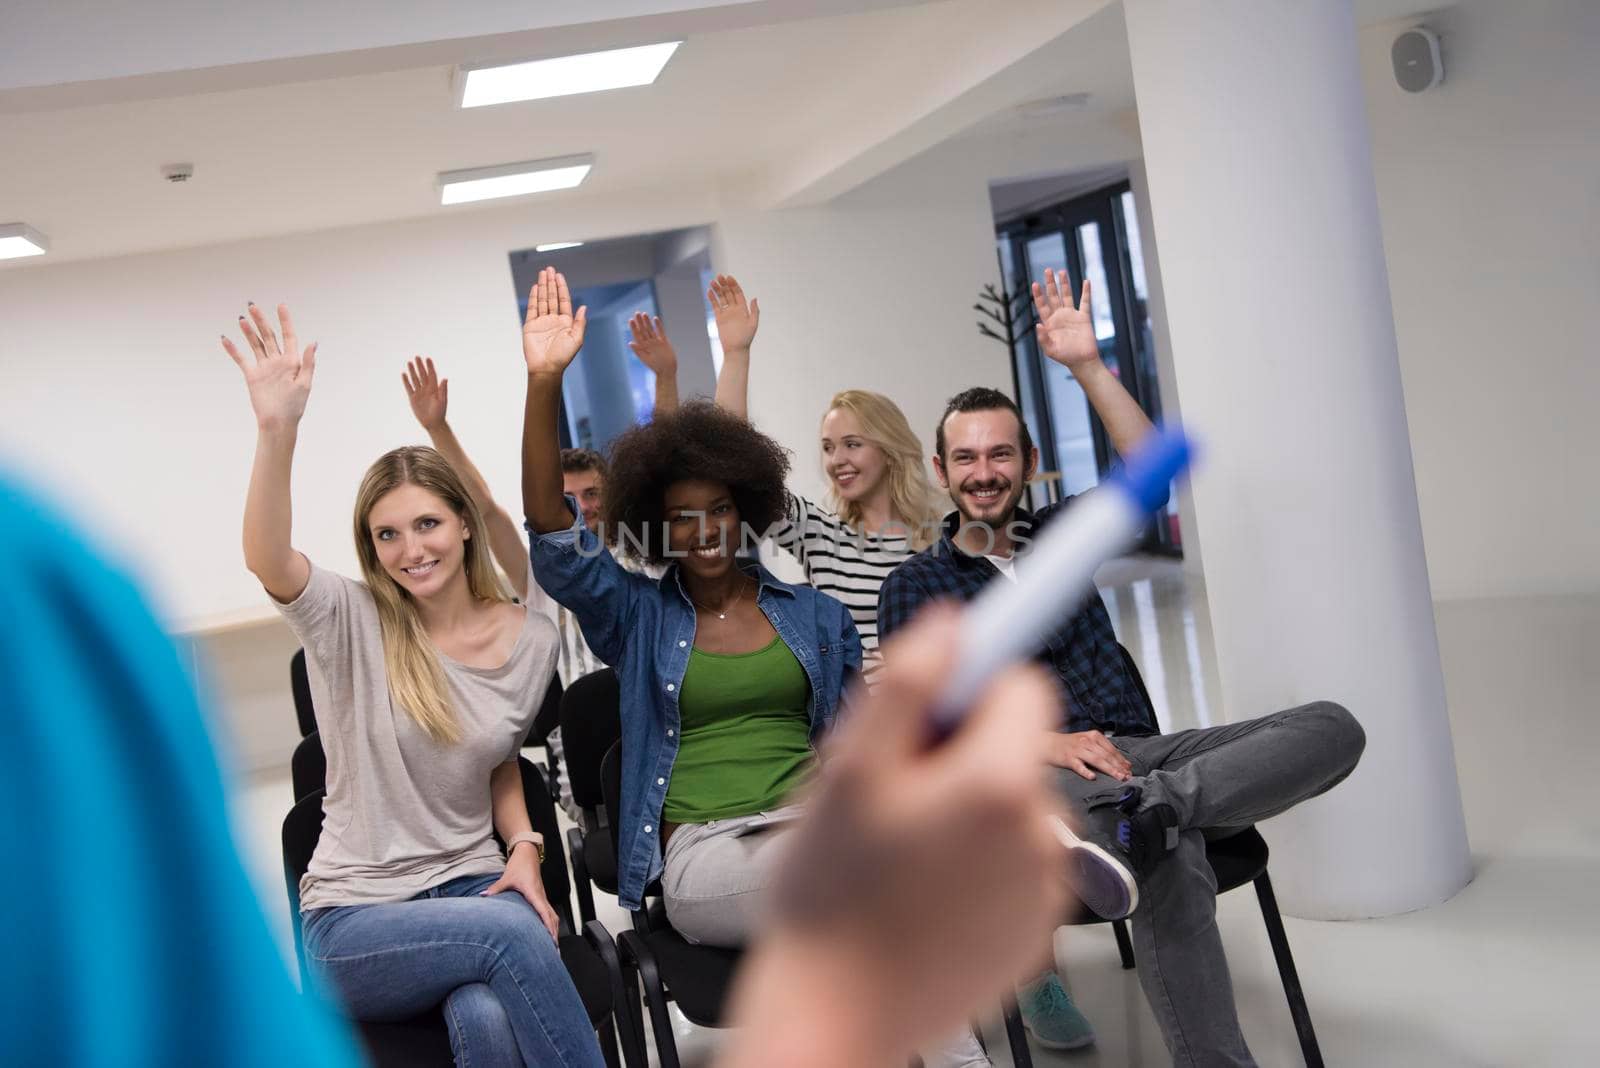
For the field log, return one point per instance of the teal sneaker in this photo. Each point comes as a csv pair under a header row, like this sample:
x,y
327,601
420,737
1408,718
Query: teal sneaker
x,y
1048,1011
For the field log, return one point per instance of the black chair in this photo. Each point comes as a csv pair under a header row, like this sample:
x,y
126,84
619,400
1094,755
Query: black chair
x,y
698,978
591,959
300,683
1235,860
547,719
591,723
308,768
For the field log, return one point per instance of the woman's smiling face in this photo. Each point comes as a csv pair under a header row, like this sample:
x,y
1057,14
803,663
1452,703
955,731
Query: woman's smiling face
x,y
420,540
855,465
702,527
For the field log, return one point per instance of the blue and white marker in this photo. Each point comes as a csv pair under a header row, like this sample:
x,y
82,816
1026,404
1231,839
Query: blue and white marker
x,y
1010,621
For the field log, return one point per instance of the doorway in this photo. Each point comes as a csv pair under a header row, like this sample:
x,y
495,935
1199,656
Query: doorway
x,y
1094,234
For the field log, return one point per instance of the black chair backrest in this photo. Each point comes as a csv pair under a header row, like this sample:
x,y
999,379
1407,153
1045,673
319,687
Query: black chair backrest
x,y
1144,694
303,826
611,788
548,718
591,723
300,683
308,768
301,829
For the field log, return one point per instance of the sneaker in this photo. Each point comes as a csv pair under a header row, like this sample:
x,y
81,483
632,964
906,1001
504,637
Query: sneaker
x,y
1048,1012
1120,842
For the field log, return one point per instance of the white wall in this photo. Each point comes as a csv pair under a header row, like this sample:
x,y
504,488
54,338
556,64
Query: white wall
x,y
120,400
1491,220
122,403
871,291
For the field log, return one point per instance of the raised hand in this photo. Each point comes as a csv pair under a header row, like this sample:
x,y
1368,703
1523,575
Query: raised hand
x,y
737,319
279,378
1066,334
650,344
429,394
551,334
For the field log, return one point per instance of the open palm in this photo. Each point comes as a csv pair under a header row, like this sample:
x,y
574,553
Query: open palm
x,y
429,394
650,344
737,318
551,334
1066,334
279,378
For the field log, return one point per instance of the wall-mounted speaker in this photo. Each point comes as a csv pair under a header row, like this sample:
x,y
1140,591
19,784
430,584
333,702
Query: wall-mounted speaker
x,y
1417,66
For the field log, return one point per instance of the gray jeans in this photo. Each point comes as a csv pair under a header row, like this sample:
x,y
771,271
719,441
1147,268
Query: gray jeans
x,y
1215,779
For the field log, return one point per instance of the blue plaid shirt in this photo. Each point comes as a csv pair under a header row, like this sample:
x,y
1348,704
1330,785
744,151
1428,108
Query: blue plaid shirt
x,y
1100,690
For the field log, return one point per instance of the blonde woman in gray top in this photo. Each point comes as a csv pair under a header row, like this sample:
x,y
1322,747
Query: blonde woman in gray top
x,y
582,478
421,676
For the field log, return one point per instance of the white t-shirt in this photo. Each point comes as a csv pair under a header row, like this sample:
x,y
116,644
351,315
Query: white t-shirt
x,y
1006,565
576,659
404,812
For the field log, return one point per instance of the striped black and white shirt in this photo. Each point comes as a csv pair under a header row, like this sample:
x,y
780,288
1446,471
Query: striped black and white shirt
x,y
845,563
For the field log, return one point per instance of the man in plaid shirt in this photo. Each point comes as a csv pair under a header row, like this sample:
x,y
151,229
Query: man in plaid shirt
x,y
1148,799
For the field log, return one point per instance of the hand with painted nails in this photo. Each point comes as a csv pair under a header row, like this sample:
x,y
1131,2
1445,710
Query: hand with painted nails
x,y
1066,334
650,344
551,333
279,377
428,393
737,319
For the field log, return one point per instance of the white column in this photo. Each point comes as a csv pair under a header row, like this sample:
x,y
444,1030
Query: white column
x,y
1166,380
1277,299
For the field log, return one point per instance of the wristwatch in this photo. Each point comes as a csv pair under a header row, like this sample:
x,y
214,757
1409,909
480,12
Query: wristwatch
x,y
526,836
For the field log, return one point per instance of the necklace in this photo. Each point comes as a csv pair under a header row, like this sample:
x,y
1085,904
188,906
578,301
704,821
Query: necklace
x,y
722,615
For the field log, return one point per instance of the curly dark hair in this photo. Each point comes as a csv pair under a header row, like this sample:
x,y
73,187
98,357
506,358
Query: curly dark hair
x,y
697,441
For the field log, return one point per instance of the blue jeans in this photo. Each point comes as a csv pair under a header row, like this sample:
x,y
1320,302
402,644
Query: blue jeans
x,y
506,996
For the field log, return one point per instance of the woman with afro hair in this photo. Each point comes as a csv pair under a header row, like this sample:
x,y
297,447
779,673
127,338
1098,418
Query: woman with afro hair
x,y
728,676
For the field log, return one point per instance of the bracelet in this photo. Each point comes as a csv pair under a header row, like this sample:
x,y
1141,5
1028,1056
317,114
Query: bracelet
x,y
526,836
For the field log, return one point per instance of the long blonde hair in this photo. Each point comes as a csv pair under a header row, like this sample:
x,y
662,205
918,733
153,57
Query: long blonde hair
x,y
911,495
416,680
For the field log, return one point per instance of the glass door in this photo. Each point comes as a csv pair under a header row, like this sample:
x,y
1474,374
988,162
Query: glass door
x,y
1095,235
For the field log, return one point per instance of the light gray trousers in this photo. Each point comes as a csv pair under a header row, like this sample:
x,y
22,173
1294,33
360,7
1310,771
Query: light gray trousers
x,y
714,882
715,875
1215,779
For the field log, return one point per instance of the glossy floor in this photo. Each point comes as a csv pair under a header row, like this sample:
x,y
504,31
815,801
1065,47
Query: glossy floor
x,y
1494,976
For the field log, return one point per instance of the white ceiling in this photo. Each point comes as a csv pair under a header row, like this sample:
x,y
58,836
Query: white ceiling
x,y
761,104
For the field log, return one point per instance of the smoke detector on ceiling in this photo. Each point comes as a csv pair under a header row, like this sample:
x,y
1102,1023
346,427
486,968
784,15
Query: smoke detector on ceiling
x,y
1045,107
178,172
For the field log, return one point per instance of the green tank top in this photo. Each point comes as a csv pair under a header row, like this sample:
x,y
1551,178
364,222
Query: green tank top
x,y
744,741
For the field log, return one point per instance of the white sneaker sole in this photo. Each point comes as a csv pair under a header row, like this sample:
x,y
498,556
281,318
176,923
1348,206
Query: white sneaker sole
x,y
1102,882
1082,1043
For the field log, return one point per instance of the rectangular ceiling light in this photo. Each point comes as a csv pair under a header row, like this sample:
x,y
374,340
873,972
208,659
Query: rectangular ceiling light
x,y
557,246
513,179
565,75
20,239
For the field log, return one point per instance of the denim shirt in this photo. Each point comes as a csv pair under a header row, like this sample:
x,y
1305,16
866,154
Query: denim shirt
x,y
644,628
